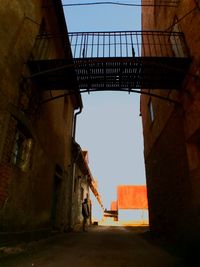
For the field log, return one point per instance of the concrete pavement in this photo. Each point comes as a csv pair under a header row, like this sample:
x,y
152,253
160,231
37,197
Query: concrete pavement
x,y
101,246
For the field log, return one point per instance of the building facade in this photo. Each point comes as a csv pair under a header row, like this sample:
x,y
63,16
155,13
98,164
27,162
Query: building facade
x,y
84,186
171,130
132,204
36,162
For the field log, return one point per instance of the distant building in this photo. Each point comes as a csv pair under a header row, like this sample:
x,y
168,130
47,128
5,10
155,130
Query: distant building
x,y
83,185
131,204
113,205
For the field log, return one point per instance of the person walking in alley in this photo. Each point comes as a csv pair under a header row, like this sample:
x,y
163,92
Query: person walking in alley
x,y
85,213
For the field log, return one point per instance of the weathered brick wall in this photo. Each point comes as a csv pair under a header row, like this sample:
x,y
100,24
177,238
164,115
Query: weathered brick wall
x,y
171,142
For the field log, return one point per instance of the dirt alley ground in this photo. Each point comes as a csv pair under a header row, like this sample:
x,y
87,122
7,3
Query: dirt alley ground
x,y
101,246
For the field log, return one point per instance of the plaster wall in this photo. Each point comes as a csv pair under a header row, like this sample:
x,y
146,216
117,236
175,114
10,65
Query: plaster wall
x,y
29,198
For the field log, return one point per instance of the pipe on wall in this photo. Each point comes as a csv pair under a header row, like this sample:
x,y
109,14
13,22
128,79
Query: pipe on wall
x,y
75,120
74,165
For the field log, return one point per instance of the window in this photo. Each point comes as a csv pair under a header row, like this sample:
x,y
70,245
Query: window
x,y
59,171
151,111
22,149
42,46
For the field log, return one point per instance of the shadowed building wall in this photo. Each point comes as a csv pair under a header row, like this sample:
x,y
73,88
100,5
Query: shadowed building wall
x,y
35,138
172,133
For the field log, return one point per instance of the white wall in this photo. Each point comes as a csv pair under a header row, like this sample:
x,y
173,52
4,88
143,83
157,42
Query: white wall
x,y
97,211
137,215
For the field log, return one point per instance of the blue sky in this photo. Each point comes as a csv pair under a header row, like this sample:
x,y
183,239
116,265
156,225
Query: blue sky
x,y
109,126
102,17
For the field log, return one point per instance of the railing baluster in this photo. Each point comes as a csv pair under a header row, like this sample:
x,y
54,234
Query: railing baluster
x,y
80,52
143,35
92,44
138,47
98,46
84,46
112,45
120,44
115,43
71,38
87,45
132,46
109,44
75,45
126,40
104,45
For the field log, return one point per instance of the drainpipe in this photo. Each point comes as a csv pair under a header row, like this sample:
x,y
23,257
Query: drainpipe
x,y
75,119
76,114
72,190
74,162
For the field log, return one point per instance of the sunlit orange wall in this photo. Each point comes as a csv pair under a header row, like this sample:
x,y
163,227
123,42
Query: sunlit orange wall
x,y
132,197
113,205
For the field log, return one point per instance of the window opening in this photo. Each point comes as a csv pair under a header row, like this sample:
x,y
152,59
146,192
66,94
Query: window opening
x,y
22,148
59,171
151,111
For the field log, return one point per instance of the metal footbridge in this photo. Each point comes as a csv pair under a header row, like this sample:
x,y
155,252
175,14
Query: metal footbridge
x,y
117,60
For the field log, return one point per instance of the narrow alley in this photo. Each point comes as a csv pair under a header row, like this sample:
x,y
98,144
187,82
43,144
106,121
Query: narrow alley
x,y
100,246
69,160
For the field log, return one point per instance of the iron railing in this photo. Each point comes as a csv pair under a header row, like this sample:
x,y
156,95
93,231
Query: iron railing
x,y
111,60
127,44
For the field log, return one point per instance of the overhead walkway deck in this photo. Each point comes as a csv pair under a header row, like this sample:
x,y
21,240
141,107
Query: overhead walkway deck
x,y
115,61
